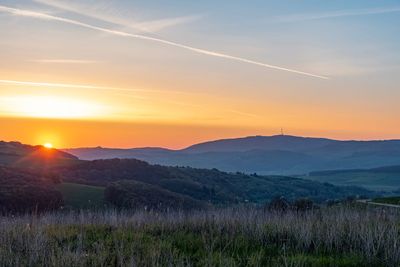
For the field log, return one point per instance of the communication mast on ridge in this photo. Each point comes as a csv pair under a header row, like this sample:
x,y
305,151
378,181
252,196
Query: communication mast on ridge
x,y
282,132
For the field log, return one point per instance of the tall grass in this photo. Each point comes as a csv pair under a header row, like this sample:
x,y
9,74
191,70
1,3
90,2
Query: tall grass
x,y
338,236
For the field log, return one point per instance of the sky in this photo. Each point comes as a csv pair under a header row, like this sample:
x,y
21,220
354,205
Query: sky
x,y
150,73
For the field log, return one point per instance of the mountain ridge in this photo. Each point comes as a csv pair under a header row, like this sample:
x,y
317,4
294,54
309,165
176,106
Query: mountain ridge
x,y
277,154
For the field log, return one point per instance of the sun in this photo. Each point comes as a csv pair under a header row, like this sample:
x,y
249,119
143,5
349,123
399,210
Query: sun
x,y
48,145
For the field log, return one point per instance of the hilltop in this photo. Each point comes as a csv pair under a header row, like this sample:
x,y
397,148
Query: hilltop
x,y
18,155
279,154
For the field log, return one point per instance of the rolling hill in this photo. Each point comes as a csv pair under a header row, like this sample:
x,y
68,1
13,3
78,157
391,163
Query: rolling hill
x,y
280,154
24,191
132,183
208,186
382,178
17,155
80,196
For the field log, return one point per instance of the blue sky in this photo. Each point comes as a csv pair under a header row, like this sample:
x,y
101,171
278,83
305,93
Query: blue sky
x,y
229,47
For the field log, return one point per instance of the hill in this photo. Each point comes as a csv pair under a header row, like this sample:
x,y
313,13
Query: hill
x,y
137,195
382,178
79,196
281,154
17,155
139,183
276,142
23,191
210,186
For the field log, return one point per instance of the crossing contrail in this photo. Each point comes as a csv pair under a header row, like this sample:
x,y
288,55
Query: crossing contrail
x,y
43,16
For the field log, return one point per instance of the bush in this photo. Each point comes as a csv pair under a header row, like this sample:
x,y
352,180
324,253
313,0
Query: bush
x,y
279,204
303,204
22,191
137,195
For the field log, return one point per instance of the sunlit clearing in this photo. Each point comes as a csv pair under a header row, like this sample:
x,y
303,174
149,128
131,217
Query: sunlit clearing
x,y
48,145
49,107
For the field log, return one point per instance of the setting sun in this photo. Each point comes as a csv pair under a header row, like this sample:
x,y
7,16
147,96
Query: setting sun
x,y
48,145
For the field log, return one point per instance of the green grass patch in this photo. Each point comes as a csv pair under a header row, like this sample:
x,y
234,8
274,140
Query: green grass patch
x,y
388,200
107,245
79,196
369,180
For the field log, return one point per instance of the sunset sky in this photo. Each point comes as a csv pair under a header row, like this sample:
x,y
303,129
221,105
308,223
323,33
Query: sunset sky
x,y
172,73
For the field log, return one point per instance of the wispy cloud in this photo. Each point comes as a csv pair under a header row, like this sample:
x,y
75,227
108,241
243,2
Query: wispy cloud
x,y
86,86
337,14
116,93
64,61
43,16
105,11
241,113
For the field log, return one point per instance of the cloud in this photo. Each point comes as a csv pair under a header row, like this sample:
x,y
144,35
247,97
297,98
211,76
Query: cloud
x,y
105,11
43,16
125,95
337,14
241,113
64,61
86,86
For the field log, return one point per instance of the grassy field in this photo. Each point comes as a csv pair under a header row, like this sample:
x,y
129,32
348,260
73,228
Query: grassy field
x,y
369,180
336,236
388,200
80,196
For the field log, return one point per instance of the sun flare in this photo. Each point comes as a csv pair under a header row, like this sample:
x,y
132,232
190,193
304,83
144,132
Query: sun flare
x,y
48,145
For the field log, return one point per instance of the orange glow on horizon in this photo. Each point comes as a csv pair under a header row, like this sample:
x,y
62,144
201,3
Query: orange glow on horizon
x,y
79,133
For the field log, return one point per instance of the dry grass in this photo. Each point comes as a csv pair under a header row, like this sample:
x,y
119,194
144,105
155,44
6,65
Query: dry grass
x,y
336,236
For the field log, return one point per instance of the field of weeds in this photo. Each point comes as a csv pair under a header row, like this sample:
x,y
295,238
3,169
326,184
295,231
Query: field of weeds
x,y
335,236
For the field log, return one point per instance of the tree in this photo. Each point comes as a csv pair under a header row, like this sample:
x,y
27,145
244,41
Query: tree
x,y
279,204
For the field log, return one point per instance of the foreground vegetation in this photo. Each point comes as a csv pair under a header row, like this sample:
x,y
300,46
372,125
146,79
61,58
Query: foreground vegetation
x,y
335,236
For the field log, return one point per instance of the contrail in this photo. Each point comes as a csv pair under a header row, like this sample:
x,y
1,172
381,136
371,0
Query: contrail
x,y
101,10
337,14
38,15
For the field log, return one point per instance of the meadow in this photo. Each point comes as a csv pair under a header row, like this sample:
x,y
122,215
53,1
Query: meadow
x,y
387,200
79,196
242,236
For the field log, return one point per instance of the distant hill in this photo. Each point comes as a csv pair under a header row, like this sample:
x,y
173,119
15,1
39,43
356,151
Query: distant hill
x,y
382,178
277,142
15,154
133,183
280,154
